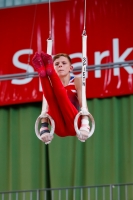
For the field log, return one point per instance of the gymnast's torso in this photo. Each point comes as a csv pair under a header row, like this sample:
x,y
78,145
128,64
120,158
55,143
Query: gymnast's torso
x,y
72,93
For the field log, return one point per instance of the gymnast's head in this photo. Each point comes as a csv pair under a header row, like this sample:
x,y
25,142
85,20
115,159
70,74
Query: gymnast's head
x,y
62,64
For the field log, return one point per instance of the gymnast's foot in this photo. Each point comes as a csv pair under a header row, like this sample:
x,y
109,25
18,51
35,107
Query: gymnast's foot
x,y
45,133
48,62
38,65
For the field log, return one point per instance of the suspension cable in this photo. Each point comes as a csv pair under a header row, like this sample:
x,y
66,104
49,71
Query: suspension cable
x,y
32,32
50,33
84,30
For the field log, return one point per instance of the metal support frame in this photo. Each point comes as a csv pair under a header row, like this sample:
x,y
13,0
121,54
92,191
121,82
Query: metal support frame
x,y
13,3
102,192
7,77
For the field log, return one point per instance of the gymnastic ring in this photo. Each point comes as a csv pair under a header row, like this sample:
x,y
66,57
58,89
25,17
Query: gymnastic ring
x,y
44,115
86,113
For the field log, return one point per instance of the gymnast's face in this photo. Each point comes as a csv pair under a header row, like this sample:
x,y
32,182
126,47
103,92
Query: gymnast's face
x,y
62,66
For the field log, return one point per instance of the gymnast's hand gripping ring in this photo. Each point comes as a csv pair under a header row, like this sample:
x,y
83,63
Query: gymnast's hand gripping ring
x,y
38,120
92,128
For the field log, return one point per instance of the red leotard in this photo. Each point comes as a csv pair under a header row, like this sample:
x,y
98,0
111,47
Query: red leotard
x,y
72,93
63,103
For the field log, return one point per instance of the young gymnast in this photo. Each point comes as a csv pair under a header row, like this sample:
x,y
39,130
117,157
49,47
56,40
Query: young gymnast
x,y
63,95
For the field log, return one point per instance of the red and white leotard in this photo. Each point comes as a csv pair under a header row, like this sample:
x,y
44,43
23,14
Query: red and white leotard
x,y
63,103
72,93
